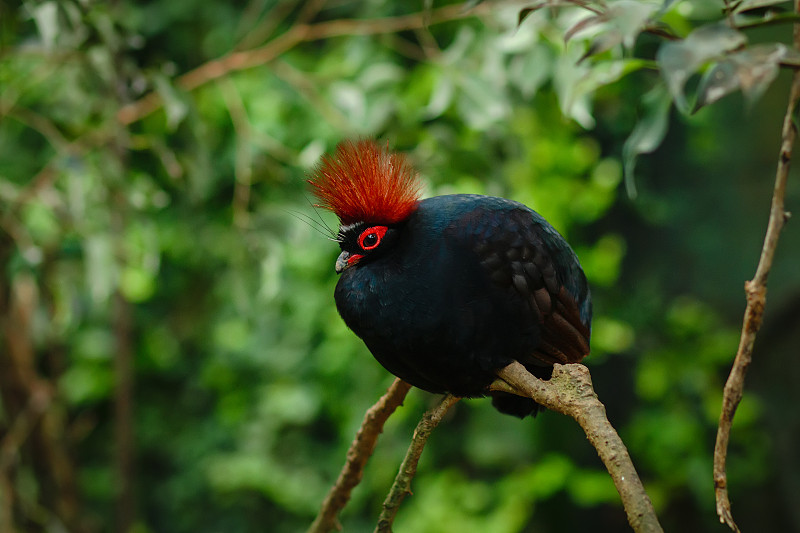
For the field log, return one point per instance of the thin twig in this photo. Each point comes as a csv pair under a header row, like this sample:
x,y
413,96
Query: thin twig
x,y
357,456
570,392
42,125
310,10
402,483
729,13
297,34
773,20
261,32
7,495
39,434
756,291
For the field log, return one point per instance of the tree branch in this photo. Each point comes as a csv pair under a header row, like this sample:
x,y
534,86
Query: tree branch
x,y
297,34
19,430
756,291
37,430
570,392
402,483
357,456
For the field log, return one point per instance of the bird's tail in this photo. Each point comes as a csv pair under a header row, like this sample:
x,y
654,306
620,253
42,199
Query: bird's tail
x,y
520,406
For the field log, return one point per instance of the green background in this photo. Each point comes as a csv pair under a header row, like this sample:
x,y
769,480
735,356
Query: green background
x,y
184,243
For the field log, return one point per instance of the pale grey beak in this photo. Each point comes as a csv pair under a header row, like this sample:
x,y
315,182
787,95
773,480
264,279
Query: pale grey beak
x,y
342,262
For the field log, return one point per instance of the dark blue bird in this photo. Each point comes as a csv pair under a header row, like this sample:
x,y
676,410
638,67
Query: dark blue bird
x,y
448,290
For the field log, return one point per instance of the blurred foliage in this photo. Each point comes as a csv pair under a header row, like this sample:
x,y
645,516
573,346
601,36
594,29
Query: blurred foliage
x,y
187,225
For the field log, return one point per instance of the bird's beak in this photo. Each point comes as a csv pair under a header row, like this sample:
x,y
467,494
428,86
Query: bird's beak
x,y
345,261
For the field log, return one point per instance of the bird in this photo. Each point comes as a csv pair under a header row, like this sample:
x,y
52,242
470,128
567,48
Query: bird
x,y
445,291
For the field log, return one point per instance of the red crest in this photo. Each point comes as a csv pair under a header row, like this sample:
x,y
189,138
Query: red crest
x,y
362,182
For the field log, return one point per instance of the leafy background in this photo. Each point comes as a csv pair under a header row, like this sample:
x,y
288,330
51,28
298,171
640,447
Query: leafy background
x,y
166,297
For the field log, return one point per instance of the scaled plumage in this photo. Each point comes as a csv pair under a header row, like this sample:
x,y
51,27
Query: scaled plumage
x,y
458,287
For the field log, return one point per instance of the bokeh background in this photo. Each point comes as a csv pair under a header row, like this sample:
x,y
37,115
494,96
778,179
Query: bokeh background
x,y
171,357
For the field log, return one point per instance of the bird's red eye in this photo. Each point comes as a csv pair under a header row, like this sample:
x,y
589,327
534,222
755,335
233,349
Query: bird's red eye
x,y
370,238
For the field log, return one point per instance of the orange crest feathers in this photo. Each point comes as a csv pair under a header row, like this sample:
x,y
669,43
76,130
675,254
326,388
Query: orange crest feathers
x,y
362,182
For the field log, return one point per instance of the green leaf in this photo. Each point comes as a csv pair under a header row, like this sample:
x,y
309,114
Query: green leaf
x,y
530,71
94,344
666,5
648,133
232,335
791,57
758,67
716,83
100,266
524,13
630,18
584,24
137,284
86,383
479,103
622,22
46,17
747,5
441,97
175,105
576,82
678,61
751,70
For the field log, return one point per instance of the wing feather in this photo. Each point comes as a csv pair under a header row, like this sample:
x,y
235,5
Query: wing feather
x,y
525,254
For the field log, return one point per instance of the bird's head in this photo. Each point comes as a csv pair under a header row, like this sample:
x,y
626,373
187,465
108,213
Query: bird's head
x,y
372,191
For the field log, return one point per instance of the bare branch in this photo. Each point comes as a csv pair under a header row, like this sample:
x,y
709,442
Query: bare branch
x,y
357,456
408,468
36,428
570,392
756,291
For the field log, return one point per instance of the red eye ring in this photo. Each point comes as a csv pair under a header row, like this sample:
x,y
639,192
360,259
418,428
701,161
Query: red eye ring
x,y
371,237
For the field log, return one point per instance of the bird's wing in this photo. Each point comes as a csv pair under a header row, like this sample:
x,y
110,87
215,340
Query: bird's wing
x,y
523,254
